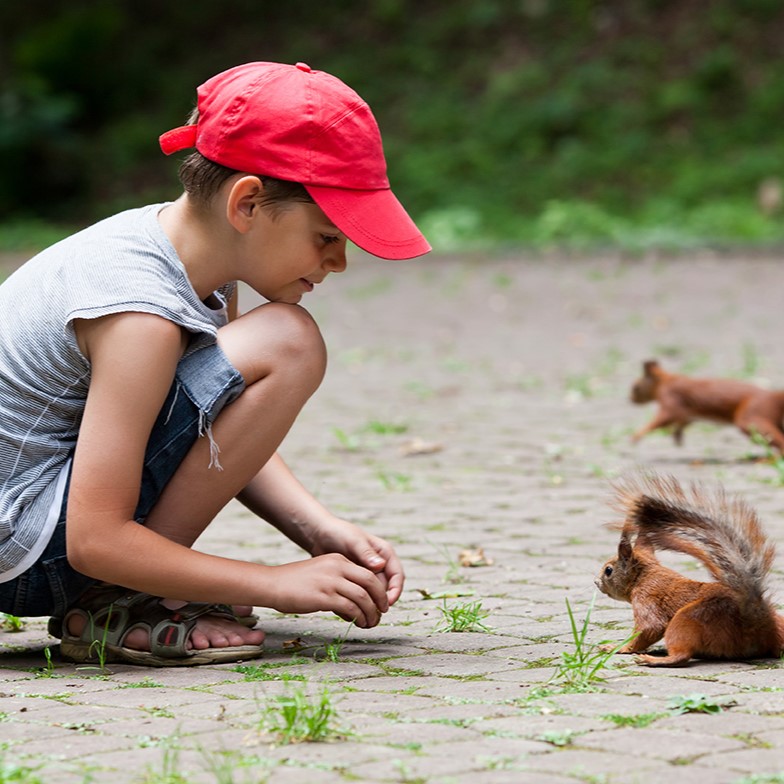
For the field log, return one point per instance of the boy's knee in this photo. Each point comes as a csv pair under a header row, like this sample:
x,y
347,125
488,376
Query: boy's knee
x,y
272,337
297,337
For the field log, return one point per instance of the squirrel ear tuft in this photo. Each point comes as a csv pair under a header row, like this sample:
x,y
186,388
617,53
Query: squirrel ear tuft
x,y
649,366
624,549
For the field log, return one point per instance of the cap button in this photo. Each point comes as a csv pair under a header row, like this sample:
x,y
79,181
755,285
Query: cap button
x,y
304,67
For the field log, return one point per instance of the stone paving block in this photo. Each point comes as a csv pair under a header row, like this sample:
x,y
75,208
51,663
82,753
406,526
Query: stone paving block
x,y
293,775
584,764
533,652
599,704
15,732
255,691
138,698
773,739
54,688
759,702
73,745
657,743
662,685
8,675
365,701
514,774
468,642
407,730
439,763
40,709
343,671
536,725
728,723
682,774
526,677
471,714
161,723
234,714
456,664
768,678
478,690
759,761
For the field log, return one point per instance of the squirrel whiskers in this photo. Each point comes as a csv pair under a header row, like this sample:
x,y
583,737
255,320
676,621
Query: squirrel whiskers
x,y
731,618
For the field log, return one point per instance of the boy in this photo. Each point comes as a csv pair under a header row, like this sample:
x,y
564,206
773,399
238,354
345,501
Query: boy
x,y
134,403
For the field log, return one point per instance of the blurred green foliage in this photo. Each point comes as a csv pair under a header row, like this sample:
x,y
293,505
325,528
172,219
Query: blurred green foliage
x,y
647,123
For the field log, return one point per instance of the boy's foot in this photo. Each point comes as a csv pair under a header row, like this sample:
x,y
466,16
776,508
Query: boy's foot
x,y
109,623
211,631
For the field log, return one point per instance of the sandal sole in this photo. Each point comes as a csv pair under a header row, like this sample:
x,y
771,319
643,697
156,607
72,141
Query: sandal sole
x,y
55,625
83,653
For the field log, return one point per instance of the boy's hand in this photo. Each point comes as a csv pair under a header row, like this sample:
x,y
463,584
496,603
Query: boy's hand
x,y
362,548
275,495
331,583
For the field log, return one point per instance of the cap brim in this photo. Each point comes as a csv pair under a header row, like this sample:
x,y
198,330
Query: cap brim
x,y
374,220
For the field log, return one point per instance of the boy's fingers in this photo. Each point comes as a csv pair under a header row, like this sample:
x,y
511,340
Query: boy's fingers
x,y
371,559
352,612
371,586
369,597
394,588
378,592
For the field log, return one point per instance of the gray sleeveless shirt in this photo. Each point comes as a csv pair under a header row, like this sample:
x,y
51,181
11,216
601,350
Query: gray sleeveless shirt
x,y
124,263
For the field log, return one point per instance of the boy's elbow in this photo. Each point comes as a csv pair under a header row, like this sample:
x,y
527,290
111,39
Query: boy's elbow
x,y
86,557
79,559
103,556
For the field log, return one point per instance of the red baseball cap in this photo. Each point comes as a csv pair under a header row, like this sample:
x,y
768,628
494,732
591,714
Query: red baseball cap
x,y
301,125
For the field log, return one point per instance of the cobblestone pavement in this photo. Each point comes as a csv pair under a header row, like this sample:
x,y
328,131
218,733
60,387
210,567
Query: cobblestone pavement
x,y
470,403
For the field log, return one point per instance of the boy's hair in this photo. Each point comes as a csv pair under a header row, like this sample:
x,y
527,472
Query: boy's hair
x,y
202,179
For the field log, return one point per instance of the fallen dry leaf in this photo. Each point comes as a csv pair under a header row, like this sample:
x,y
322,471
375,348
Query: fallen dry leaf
x,y
297,642
474,557
453,594
417,446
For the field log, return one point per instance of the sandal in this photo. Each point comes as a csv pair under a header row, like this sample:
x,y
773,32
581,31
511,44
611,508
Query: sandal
x,y
111,592
111,612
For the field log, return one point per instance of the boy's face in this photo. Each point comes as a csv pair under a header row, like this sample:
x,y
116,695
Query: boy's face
x,y
288,254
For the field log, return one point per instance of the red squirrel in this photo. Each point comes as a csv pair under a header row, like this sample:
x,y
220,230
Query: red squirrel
x,y
731,618
683,399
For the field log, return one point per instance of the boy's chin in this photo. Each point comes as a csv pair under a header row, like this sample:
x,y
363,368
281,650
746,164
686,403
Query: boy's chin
x,y
287,299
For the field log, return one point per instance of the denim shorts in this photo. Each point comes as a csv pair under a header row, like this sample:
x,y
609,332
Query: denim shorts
x,y
205,383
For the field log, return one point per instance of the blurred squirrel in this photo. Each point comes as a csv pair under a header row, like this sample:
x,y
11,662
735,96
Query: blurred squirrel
x,y
731,618
683,399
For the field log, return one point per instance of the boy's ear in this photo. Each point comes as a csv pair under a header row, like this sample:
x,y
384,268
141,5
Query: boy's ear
x,y
242,202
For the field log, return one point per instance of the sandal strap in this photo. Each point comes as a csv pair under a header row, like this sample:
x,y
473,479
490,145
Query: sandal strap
x,y
169,637
113,612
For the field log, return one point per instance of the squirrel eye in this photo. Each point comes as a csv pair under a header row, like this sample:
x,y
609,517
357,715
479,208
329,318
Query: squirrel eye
x,y
608,570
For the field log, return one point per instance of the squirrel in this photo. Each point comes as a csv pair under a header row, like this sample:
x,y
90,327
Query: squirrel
x,y
683,399
731,618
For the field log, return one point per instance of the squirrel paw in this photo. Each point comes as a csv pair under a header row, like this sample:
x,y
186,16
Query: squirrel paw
x,y
610,648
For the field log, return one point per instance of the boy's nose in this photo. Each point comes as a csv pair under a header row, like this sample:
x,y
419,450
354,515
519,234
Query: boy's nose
x,y
336,260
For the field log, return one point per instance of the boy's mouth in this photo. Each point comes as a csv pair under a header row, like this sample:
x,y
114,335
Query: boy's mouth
x,y
308,285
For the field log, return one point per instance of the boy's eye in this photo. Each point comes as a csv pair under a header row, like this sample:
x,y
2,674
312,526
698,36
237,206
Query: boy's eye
x,y
329,239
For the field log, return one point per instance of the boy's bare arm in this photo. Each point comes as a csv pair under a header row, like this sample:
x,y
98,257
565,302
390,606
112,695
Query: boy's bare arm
x,y
277,496
133,358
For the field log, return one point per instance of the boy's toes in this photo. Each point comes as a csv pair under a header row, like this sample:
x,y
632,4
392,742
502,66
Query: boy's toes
x,y
222,633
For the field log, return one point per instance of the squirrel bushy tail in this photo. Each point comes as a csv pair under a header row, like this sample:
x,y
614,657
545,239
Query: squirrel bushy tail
x,y
721,531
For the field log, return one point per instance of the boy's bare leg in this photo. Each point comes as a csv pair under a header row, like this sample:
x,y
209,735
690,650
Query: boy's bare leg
x,y
279,351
